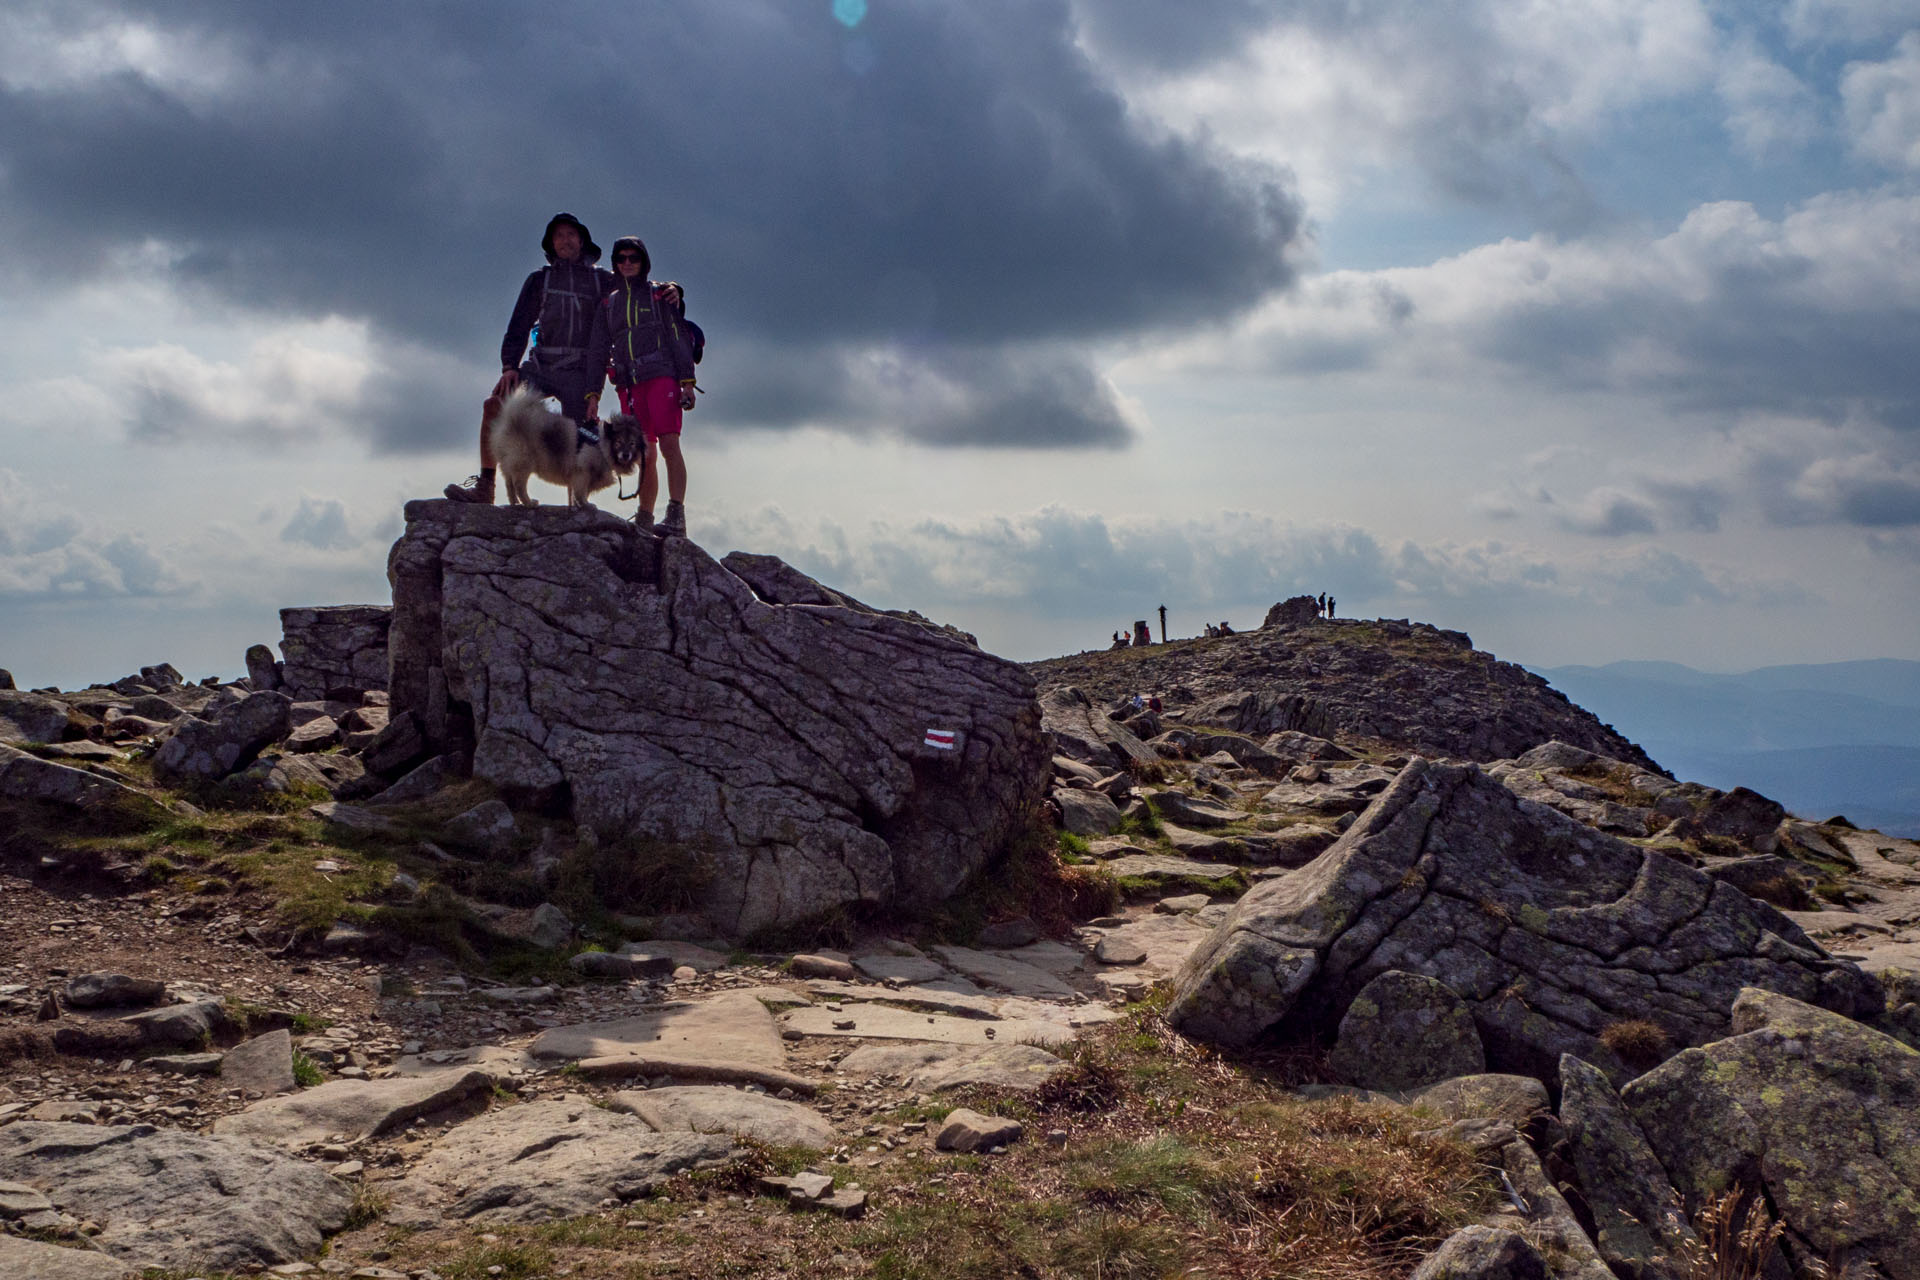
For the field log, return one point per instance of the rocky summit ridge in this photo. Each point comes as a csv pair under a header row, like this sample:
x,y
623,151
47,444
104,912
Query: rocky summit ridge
x,y
1408,685
604,908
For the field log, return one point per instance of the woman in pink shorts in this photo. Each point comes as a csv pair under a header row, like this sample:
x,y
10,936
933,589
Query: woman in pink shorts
x,y
650,348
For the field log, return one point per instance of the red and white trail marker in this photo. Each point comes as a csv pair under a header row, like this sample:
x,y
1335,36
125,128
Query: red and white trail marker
x,y
941,738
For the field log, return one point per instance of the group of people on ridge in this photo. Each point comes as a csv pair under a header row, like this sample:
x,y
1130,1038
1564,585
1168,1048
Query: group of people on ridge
x,y
586,323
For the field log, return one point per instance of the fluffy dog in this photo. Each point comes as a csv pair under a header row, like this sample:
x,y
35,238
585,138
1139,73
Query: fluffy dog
x,y
531,440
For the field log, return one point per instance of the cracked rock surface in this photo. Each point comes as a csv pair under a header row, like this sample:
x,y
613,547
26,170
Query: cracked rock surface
x,y
1548,930
800,745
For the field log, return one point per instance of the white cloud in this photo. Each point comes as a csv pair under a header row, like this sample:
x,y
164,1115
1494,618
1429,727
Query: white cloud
x,y
1849,21
292,385
320,523
47,553
1883,106
1769,108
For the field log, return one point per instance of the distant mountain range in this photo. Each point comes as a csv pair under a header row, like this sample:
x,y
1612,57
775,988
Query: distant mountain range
x,y
1823,739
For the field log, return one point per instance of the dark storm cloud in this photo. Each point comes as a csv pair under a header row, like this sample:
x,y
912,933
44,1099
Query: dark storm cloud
x,y
953,174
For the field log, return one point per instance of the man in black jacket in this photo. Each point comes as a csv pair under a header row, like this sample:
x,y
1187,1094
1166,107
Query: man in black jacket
x,y
555,308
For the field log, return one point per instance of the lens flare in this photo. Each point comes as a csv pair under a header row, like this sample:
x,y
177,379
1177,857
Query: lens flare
x,y
849,12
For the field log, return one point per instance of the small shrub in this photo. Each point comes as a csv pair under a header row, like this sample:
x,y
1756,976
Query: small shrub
x,y
1090,1083
369,1206
1640,1044
306,1072
1074,849
637,876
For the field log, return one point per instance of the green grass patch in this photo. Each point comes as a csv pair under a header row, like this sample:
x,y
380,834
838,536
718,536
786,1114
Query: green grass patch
x,y
306,1072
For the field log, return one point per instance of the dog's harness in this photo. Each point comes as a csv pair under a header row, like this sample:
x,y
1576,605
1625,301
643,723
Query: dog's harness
x,y
588,432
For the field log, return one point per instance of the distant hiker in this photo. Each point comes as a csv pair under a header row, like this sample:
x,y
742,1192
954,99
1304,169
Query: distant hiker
x,y
1153,703
641,334
1329,606
1323,604
1225,630
555,308
1119,641
1142,636
1208,631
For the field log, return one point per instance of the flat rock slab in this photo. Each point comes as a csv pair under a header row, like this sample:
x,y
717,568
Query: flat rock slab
x,y
498,1061
191,1023
932,999
181,1200
743,1114
1167,940
1155,866
951,1066
1014,976
262,1065
883,1022
356,1109
545,1160
31,1260
883,968
732,1027
1056,958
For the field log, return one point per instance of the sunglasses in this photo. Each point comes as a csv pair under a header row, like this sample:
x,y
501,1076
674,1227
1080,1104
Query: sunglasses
x,y
626,257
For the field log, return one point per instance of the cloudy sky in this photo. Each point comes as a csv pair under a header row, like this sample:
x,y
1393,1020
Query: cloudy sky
x,y
1591,327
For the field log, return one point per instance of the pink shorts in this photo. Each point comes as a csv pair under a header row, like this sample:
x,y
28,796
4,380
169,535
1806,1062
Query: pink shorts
x,y
655,405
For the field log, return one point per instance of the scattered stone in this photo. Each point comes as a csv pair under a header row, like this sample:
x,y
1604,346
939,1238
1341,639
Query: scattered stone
x,y
1166,872
69,1110
546,1160
488,826
683,954
360,1109
195,1022
418,783
1117,950
1405,1031
208,750
189,1064
965,1130
1189,811
1086,813
262,1065
112,991
27,777
32,717
813,966
1182,903
179,1200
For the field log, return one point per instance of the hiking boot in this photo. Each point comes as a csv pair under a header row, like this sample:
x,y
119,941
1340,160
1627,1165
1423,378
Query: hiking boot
x,y
476,489
643,520
675,523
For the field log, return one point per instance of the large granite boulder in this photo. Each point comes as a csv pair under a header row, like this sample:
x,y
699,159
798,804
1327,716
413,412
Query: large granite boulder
x,y
1818,1112
1638,1227
1406,1031
1082,731
33,717
226,741
1548,930
816,755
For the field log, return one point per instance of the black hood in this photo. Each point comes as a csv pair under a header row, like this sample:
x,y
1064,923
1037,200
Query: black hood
x,y
634,242
589,251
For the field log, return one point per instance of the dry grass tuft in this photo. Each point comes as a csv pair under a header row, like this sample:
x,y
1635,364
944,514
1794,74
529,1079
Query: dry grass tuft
x,y
1640,1044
